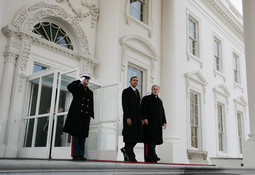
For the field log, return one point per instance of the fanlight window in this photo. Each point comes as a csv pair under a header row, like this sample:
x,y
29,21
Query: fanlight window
x,y
54,33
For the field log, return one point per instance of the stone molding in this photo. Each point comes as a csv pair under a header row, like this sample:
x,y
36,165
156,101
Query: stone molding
x,y
197,154
29,16
145,48
197,78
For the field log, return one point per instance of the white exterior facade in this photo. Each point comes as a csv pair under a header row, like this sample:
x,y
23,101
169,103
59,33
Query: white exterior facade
x,y
107,40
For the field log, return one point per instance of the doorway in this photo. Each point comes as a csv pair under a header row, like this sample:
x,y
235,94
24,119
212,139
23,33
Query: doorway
x,y
47,107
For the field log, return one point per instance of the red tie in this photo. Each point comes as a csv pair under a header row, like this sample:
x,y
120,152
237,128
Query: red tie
x,y
136,93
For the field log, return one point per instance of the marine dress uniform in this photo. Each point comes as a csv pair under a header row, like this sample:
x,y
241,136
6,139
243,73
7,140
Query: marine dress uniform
x,y
79,115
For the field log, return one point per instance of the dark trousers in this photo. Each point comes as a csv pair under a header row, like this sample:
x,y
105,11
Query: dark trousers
x,y
78,146
150,152
129,147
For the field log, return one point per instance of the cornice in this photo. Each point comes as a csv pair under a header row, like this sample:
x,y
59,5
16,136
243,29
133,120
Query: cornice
x,y
227,15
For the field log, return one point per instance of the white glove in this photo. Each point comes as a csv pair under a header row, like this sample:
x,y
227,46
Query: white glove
x,y
82,78
91,119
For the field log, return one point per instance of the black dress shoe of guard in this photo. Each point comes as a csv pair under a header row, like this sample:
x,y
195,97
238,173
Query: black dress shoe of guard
x,y
157,158
75,158
82,158
126,158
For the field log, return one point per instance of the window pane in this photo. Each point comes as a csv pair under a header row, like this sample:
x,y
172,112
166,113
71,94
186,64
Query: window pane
x,y
45,101
138,9
39,68
41,132
135,72
29,133
34,95
192,29
53,33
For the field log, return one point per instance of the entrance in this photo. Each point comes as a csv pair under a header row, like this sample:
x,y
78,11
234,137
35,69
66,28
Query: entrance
x,y
46,110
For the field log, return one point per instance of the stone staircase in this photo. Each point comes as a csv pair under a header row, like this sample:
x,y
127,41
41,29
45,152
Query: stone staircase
x,y
67,167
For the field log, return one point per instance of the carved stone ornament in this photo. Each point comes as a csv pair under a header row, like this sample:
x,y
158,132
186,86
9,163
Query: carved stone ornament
x,y
10,57
29,16
25,55
86,64
82,13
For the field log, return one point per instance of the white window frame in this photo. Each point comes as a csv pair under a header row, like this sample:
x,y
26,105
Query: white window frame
x,y
221,70
241,107
224,143
241,127
236,68
199,142
195,83
221,95
146,26
134,56
198,25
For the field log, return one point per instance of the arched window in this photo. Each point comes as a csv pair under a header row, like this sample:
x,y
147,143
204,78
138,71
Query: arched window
x,y
54,33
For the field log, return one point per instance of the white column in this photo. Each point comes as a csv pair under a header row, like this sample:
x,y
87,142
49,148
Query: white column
x,y
107,46
173,39
249,40
5,97
108,68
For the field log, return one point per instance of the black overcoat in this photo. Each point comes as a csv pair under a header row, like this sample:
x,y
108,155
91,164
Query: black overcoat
x,y
152,109
80,111
131,109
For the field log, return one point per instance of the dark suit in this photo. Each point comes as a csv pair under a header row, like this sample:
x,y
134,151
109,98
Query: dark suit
x,y
78,118
131,109
152,109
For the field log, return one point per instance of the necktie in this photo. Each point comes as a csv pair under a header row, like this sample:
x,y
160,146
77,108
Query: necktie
x,y
136,93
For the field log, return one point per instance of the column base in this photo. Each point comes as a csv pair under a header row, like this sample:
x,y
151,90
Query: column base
x,y
172,151
2,150
249,153
11,152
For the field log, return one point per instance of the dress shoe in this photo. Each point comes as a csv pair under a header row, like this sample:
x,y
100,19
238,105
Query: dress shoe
x,y
75,158
82,158
157,158
126,158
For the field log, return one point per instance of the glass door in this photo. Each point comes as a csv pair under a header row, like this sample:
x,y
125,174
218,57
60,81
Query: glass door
x,y
39,115
47,107
61,142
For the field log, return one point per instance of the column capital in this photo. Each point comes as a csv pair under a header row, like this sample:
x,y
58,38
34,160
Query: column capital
x,y
10,57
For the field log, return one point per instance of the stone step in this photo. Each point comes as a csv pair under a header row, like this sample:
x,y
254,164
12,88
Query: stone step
x,y
92,167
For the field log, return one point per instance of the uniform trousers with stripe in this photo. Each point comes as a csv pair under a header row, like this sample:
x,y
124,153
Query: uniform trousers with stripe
x,y
78,146
149,152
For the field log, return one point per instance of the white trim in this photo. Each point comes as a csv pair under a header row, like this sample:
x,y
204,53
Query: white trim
x,y
221,44
221,95
196,82
198,57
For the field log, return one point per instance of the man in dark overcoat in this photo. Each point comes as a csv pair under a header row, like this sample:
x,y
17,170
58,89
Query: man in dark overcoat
x,y
132,123
80,113
153,115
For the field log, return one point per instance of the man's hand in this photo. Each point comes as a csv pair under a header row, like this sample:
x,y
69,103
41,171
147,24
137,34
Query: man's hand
x,y
129,122
164,125
82,78
146,122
